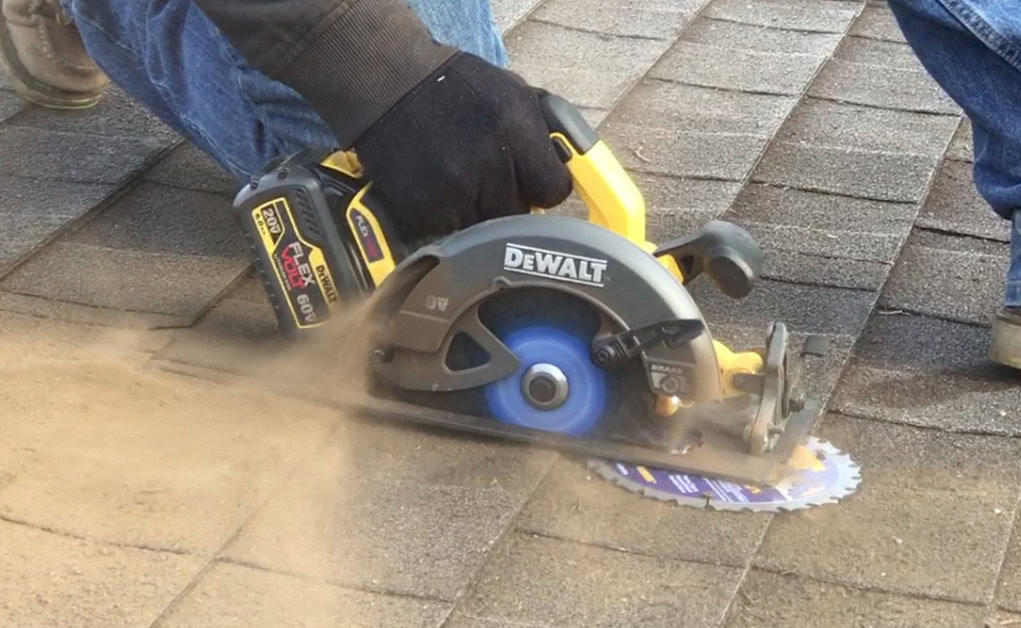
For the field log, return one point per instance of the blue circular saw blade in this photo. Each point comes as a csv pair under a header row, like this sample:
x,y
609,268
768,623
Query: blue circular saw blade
x,y
821,475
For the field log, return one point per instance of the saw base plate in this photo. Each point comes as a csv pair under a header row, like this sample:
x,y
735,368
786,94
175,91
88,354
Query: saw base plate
x,y
823,475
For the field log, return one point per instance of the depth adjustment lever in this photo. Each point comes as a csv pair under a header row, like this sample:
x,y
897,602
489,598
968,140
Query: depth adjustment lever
x,y
722,250
618,349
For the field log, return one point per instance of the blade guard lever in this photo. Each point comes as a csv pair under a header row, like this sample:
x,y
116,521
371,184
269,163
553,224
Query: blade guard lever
x,y
618,349
722,250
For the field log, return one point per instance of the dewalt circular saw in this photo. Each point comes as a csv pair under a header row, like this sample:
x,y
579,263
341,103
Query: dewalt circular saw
x,y
564,332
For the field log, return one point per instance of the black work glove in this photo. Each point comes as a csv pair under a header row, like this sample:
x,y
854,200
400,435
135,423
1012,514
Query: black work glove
x,y
467,144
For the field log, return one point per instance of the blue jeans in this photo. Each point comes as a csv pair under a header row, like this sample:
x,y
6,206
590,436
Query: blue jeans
x,y
169,57
972,48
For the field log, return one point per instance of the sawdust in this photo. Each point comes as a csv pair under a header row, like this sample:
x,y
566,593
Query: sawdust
x,y
100,446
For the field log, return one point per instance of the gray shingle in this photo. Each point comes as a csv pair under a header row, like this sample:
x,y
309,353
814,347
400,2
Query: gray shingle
x,y
684,154
62,581
38,307
571,503
595,587
962,147
675,107
876,52
726,68
825,123
853,172
919,486
834,605
877,22
1009,591
800,14
929,372
809,309
588,69
31,213
188,167
386,534
59,156
155,218
949,277
116,114
123,279
507,13
954,204
229,594
894,88
10,104
824,212
739,36
809,256
662,19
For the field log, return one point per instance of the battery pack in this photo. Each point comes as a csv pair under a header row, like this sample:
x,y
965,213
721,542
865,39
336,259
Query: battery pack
x,y
318,240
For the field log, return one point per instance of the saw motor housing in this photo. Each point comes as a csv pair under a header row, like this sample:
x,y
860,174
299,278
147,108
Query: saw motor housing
x,y
323,241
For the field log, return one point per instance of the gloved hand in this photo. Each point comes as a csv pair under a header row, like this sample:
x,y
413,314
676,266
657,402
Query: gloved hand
x,y
467,144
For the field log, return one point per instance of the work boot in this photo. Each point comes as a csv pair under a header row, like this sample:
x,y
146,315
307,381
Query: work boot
x,y
44,58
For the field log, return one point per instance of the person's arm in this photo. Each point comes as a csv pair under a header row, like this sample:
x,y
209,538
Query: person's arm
x,y
352,60
447,138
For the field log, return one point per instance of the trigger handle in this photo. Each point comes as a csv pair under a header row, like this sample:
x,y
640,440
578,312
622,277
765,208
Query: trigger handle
x,y
566,124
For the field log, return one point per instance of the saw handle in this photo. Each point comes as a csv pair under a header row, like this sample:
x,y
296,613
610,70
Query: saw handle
x,y
613,200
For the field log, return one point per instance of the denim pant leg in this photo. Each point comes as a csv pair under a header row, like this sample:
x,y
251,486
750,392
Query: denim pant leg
x,y
169,57
972,48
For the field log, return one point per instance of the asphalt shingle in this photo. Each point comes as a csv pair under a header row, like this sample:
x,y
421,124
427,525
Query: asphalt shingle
x,y
962,146
154,218
827,213
878,86
10,104
877,22
358,514
735,35
187,167
954,204
660,19
737,69
221,475
852,172
115,115
33,212
63,581
236,595
672,106
74,157
1008,594
877,52
929,372
832,17
952,277
825,123
809,256
574,504
595,587
588,69
824,604
177,286
507,13
724,156
889,536
809,309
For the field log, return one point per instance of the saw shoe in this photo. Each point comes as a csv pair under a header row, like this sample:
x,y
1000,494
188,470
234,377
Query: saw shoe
x,y
44,58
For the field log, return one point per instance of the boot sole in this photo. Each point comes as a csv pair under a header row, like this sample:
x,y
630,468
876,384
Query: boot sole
x,y
1005,343
32,90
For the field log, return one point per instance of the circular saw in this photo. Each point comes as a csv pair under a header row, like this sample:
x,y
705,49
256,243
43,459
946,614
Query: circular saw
x,y
571,333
